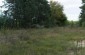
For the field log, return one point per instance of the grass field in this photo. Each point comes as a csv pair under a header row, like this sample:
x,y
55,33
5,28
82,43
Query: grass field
x,y
51,41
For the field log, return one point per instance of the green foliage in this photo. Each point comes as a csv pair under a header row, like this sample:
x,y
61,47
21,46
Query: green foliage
x,y
29,12
83,24
57,15
82,14
34,13
72,24
6,22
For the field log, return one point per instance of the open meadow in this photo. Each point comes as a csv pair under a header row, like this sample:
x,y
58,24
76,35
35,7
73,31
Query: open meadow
x,y
42,27
45,41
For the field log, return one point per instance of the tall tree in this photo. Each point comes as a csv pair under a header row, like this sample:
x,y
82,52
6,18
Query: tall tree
x,y
29,12
82,14
57,14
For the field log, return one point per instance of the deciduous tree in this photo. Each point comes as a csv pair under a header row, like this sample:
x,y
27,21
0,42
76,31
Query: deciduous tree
x,y
57,14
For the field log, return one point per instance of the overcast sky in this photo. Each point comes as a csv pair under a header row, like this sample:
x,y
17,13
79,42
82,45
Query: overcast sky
x,y
71,8
1,3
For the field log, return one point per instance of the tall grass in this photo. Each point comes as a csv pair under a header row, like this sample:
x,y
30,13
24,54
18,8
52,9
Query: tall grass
x,y
51,41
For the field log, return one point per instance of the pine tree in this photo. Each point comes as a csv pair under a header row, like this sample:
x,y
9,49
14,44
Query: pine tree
x,y
82,14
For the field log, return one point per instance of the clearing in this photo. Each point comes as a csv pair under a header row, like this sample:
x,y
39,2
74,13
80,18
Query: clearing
x,y
45,41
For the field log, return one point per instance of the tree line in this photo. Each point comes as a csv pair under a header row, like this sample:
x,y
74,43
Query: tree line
x,y
32,13
37,13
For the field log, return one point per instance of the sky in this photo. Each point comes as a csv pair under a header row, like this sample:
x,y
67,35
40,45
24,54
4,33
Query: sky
x,y
1,3
71,8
